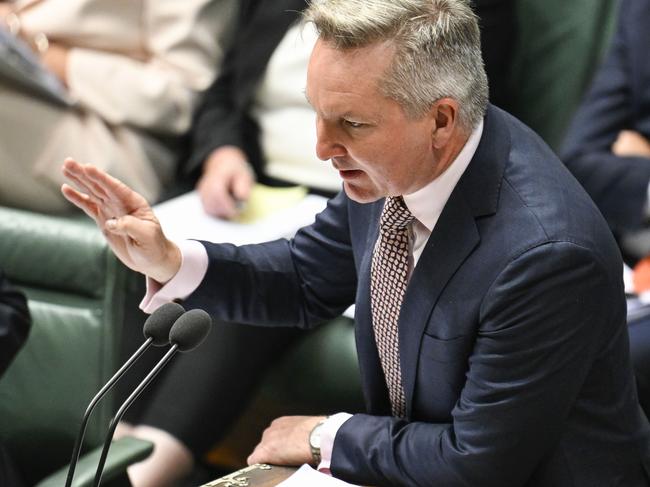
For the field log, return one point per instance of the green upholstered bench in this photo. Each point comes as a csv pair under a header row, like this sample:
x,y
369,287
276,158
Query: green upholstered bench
x,y
78,296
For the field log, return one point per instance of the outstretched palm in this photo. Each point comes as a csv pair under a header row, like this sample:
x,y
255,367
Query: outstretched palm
x,y
124,217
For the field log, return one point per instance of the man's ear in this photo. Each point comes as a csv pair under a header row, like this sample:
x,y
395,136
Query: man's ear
x,y
444,113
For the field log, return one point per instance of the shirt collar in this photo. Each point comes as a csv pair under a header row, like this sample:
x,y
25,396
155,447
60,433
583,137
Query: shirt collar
x,y
427,203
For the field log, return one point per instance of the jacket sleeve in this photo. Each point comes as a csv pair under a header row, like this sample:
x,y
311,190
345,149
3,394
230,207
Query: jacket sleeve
x,y
14,322
184,42
618,185
541,325
218,121
284,282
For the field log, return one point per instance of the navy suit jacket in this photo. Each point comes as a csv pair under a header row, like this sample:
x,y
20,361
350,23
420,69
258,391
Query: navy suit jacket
x,y
618,99
512,335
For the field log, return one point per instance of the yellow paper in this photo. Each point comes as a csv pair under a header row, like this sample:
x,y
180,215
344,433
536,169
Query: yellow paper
x,y
265,200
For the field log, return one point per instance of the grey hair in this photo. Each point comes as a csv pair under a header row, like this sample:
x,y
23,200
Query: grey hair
x,y
437,49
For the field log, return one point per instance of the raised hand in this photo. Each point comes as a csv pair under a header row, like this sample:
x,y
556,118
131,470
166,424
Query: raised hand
x,y
125,218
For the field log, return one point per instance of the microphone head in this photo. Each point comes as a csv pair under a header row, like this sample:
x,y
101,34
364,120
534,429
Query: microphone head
x,y
160,322
190,330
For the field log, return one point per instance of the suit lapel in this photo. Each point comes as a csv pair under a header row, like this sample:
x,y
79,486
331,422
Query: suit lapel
x,y
453,239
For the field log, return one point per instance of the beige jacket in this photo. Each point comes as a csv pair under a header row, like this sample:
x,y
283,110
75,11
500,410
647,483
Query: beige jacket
x,y
139,63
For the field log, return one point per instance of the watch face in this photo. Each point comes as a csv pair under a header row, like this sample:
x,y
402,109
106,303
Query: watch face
x,y
314,436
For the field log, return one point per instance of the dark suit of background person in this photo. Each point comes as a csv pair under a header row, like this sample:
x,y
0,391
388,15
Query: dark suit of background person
x,y
224,118
515,359
14,327
619,99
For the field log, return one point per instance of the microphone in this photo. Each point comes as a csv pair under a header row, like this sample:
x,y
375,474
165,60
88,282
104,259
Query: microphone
x,y
185,335
156,331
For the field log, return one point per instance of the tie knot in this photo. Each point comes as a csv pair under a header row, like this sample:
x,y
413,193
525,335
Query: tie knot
x,y
395,215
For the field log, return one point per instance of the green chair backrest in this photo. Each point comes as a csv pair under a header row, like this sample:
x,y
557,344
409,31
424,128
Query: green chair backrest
x,y
76,292
559,45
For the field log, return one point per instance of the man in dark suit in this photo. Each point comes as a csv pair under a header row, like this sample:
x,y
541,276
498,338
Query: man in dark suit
x,y
608,151
490,316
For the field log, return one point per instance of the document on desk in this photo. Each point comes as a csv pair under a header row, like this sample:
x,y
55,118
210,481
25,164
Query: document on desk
x,y
20,65
306,475
270,213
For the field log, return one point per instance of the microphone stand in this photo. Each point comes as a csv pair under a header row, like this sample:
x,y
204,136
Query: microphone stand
x,y
93,403
134,395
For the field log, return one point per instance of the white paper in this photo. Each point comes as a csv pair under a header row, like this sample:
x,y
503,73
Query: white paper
x,y
307,476
183,218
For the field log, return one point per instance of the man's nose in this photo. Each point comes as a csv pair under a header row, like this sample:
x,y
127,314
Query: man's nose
x,y
327,146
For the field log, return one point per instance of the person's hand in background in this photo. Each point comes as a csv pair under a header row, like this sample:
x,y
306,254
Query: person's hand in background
x,y
226,182
5,9
631,144
55,59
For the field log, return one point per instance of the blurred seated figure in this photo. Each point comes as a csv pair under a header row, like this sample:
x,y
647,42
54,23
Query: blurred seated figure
x,y
14,327
132,69
254,124
608,150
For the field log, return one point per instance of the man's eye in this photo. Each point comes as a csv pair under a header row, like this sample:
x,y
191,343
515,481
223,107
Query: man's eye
x,y
352,124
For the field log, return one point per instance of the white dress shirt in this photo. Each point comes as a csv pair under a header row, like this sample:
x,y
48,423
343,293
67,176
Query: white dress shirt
x,y
426,205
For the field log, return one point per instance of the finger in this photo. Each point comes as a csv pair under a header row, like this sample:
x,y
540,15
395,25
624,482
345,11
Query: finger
x,y
142,232
216,200
226,205
241,188
259,455
78,171
80,200
86,186
116,191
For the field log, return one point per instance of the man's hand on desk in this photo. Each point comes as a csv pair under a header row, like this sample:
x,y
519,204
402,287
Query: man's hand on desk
x,y
226,181
286,441
125,218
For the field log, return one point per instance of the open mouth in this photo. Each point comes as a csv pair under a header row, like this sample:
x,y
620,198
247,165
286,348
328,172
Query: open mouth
x,y
350,173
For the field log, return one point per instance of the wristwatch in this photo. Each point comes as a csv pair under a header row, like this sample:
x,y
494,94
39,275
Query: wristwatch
x,y
314,441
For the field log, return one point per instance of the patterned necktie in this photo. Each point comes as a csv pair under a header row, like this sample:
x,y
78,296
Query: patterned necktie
x,y
389,274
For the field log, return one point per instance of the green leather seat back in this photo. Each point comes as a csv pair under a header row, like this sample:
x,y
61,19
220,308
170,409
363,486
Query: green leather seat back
x,y
76,293
559,46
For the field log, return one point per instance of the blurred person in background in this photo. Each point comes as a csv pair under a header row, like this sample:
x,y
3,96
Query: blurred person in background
x,y
133,70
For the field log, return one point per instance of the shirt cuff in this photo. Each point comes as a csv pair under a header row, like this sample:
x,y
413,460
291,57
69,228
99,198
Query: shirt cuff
x,y
327,434
194,265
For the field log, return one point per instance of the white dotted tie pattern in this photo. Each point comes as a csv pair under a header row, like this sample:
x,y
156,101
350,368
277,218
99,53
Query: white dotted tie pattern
x,y
389,274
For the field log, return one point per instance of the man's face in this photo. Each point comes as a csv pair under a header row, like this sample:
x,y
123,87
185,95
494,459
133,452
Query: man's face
x,y
376,148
